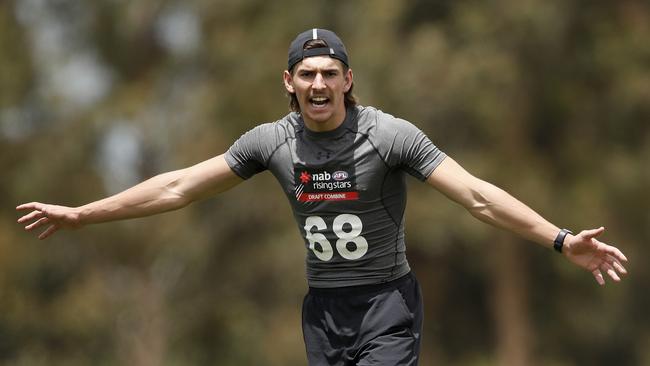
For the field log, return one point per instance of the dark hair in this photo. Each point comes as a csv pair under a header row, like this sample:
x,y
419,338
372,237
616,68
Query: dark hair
x,y
349,98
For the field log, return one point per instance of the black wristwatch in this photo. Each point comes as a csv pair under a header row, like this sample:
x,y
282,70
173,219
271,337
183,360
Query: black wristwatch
x,y
558,243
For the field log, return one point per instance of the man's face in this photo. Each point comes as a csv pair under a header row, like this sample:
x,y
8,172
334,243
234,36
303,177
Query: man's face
x,y
320,84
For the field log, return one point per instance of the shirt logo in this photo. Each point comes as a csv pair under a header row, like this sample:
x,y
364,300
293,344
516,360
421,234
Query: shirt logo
x,y
313,185
340,175
305,177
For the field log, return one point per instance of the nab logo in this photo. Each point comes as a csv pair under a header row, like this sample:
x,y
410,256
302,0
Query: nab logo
x,y
305,177
318,185
340,175
322,177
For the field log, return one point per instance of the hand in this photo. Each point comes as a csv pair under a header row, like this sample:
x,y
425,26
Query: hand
x,y
58,217
595,256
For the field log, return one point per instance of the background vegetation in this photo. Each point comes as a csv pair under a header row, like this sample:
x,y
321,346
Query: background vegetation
x,y
548,99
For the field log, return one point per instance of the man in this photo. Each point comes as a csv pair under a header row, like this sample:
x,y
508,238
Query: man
x,y
342,167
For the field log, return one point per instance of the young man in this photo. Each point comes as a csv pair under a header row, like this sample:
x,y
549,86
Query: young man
x,y
342,167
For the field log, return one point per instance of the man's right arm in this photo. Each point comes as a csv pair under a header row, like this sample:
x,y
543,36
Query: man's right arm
x,y
162,193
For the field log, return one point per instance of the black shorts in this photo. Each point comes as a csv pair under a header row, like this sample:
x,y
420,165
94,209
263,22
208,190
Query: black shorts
x,y
364,325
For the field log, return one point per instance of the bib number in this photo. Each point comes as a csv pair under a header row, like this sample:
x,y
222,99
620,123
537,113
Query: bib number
x,y
346,227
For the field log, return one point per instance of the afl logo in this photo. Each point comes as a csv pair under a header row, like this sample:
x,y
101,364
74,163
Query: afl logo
x,y
340,175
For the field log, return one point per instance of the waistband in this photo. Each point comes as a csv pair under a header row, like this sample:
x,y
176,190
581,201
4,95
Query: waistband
x,y
362,289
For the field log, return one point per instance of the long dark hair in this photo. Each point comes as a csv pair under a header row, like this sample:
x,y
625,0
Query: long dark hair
x,y
349,98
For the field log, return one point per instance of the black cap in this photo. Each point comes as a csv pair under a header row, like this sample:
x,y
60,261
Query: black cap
x,y
334,49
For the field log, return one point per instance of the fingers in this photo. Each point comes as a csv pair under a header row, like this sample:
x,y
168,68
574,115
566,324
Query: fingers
x,y
590,234
610,257
29,206
614,262
38,223
610,271
42,215
615,252
48,232
31,216
41,219
598,276
39,213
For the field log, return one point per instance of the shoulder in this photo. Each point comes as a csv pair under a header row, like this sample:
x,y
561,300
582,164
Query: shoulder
x,y
381,125
286,125
252,151
262,140
274,133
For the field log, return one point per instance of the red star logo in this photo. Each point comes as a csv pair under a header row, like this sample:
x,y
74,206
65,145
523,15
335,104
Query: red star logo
x,y
305,177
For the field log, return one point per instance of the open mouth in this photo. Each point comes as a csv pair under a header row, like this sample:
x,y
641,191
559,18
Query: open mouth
x,y
319,102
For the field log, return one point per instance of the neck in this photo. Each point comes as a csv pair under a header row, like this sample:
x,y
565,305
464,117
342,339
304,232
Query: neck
x,y
323,126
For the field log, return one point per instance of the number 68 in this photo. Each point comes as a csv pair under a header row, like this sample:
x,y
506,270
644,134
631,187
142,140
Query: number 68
x,y
345,237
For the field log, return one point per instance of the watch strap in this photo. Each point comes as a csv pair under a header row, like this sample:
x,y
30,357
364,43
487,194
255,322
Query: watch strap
x,y
558,243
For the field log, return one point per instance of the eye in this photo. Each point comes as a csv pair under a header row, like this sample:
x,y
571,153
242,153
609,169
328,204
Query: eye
x,y
306,74
331,73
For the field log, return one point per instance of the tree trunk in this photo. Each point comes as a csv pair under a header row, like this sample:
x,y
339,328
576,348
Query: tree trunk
x,y
510,306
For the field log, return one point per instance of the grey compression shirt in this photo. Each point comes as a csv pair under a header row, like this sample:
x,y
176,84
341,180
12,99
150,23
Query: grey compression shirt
x,y
346,188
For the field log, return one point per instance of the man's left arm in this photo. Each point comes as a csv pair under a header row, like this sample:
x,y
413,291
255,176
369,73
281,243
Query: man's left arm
x,y
494,206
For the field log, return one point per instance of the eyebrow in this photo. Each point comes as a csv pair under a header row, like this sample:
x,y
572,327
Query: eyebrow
x,y
326,69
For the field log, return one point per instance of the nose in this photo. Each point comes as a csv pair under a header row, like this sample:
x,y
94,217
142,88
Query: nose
x,y
319,82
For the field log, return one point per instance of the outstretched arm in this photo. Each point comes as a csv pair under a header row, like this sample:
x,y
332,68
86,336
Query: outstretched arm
x,y
494,206
162,193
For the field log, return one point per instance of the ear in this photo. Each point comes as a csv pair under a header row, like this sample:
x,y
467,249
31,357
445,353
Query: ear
x,y
348,81
288,81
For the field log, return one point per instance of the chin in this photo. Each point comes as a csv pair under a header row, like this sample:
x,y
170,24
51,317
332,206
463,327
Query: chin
x,y
315,113
318,117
